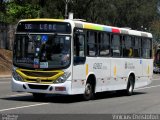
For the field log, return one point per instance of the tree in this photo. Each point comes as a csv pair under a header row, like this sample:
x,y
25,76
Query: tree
x,y
121,13
155,28
16,11
52,9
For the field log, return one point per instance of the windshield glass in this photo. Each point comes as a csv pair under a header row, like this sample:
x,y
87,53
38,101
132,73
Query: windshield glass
x,y
41,51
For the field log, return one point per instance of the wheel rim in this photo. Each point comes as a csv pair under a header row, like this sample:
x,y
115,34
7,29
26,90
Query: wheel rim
x,y
88,90
131,88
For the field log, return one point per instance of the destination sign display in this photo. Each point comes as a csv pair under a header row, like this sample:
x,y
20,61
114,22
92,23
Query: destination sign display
x,y
56,27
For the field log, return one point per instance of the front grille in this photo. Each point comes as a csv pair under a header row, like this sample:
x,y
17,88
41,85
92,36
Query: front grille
x,y
41,81
40,87
31,80
43,77
40,74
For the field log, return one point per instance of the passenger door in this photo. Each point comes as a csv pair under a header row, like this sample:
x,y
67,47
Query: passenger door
x,y
79,67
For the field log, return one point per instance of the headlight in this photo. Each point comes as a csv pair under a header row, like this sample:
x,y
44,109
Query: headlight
x,y
63,78
16,76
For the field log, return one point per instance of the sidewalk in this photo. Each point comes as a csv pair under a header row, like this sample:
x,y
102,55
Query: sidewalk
x,y
156,76
5,76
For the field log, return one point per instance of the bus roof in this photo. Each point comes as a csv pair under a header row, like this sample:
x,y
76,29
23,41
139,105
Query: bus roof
x,y
112,29
92,26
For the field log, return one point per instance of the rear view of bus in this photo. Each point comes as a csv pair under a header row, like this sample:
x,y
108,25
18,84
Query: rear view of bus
x,y
41,57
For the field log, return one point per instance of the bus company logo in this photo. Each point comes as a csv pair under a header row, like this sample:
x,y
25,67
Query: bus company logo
x,y
38,80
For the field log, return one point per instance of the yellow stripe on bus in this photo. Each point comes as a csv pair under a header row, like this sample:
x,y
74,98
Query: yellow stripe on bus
x,y
115,71
43,19
86,69
148,70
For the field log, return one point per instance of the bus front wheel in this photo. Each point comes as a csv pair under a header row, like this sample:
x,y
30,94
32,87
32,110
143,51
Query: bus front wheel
x,y
88,93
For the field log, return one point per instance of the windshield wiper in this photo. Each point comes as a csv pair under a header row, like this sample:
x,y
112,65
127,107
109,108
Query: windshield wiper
x,y
30,37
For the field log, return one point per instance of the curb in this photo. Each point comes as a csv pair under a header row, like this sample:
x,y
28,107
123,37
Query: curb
x,y
5,76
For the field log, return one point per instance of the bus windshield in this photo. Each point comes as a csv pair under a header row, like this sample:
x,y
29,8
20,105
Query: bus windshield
x,y
41,51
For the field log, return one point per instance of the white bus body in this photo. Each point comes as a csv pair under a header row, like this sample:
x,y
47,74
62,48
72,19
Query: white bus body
x,y
103,73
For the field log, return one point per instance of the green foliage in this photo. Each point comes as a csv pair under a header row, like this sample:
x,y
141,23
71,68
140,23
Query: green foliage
x,y
52,9
155,28
15,11
121,13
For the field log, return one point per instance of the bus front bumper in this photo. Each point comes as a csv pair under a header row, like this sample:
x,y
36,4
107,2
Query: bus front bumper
x,y
61,88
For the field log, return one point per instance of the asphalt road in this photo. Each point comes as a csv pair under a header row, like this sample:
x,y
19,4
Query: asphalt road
x,y
144,101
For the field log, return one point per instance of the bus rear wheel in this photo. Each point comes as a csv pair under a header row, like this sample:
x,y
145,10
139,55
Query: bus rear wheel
x,y
88,93
39,96
130,86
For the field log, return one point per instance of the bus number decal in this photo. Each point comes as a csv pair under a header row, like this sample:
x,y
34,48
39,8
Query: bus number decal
x,y
28,26
97,66
129,65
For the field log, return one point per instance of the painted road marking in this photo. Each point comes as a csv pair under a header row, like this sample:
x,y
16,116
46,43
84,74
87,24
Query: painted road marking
x,y
23,94
34,105
2,110
147,87
4,82
20,94
155,79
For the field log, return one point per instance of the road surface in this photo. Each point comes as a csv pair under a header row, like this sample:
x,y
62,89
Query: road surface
x,y
144,101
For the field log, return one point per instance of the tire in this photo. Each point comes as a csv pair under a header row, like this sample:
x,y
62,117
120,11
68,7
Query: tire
x,y
39,96
88,93
130,86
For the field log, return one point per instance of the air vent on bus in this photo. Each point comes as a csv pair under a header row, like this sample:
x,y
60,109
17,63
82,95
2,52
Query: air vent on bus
x,y
40,87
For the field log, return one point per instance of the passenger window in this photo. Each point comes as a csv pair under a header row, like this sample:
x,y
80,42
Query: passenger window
x,y
127,47
146,48
136,50
116,52
104,44
92,44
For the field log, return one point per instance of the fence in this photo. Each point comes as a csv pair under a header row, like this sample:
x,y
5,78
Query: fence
x,y
6,36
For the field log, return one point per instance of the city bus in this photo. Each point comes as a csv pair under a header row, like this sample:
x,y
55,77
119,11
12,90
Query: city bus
x,y
74,57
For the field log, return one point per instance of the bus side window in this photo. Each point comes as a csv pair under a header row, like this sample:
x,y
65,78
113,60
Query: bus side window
x,y
136,48
104,44
79,49
127,48
92,44
146,48
116,51
124,49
